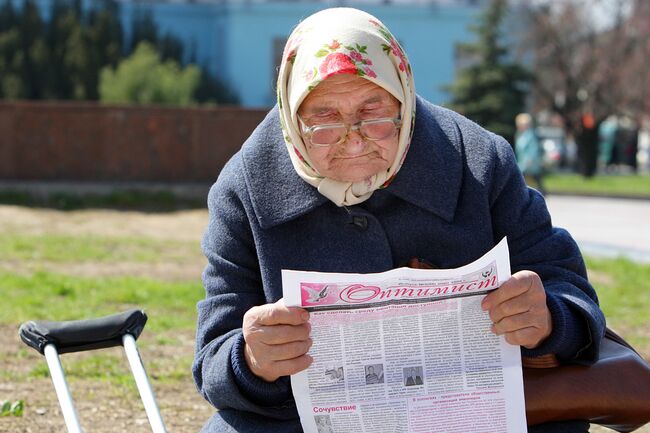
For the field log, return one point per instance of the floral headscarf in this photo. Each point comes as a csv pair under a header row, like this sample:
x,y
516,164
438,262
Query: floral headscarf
x,y
342,41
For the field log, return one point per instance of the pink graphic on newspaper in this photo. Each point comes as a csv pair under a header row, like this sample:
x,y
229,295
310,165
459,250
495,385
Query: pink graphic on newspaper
x,y
328,294
317,294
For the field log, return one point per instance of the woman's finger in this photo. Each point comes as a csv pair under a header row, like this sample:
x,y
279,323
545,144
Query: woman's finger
x,y
282,352
511,307
292,366
527,337
277,334
518,284
276,314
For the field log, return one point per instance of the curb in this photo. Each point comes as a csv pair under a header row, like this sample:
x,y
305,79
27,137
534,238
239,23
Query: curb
x,y
597,195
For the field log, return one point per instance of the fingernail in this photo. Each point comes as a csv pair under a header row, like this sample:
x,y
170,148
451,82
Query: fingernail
x,y
485,304
305,315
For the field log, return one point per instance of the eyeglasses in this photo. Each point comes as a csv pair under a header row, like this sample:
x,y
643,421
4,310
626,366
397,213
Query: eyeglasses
x,y
336,133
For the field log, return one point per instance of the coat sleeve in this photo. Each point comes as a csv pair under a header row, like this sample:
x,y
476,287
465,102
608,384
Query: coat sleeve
x,y
233,285
520,213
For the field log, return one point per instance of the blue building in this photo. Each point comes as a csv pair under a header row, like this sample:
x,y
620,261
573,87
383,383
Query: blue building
x,y
241,41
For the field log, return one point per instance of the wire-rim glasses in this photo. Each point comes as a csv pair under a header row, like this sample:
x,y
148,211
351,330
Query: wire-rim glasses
x,y
332,134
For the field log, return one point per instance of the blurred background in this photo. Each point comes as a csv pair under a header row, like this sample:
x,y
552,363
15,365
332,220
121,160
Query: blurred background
x,y
91,89
117,115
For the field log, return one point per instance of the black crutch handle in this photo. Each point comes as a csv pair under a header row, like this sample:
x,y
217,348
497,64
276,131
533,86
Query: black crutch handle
x,y
80,335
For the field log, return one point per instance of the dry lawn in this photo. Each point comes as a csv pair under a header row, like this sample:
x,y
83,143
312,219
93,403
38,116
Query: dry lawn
x,y
104,406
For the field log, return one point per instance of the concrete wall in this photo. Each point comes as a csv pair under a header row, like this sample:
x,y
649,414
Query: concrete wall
x,y
90,142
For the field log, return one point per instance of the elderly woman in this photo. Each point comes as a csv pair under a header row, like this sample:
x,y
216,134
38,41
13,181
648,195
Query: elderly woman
x,y
352,172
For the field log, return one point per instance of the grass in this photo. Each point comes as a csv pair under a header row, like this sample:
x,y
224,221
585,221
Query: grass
x,y
634,186
60,295
53,296
623,288
65,248
158,201
171,307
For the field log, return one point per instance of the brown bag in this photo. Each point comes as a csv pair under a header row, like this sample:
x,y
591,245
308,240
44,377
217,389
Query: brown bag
x,y
613,392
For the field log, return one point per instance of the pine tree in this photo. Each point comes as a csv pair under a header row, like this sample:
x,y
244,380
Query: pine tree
x,y
63,57
491,91
11,86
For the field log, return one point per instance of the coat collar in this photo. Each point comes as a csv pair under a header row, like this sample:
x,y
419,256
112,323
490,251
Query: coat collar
x,y
430,177
432,172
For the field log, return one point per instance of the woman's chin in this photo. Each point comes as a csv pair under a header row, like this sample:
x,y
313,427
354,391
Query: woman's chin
x,y
355,169
357,175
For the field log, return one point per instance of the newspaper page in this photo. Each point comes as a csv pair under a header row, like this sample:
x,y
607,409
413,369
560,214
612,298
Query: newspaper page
x,y
408,350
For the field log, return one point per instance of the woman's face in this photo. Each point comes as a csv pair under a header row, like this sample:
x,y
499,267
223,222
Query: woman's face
x,y
349,99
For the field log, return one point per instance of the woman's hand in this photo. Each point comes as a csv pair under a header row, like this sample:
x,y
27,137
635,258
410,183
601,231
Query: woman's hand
x,y
518,310
277,340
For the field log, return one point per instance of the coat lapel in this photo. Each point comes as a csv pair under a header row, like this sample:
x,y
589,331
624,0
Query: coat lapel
x,y
432,173
277,193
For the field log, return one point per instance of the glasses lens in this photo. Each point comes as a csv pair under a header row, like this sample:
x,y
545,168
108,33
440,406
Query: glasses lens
x,y
326,135
378,129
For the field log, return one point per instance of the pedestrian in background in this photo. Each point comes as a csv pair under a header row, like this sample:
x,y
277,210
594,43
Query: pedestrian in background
x,y
607,143
529,152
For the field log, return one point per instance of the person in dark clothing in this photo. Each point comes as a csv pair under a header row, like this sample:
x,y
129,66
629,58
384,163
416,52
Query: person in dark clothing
x,y
352,172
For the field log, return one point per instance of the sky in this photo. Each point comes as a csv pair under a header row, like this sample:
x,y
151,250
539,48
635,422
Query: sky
x,y
603,12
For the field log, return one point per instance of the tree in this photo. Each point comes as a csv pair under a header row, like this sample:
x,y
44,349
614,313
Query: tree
x,y
102,37
10,81
63,57
586,72
68,51
81,44
23,53
491,90
58,59
210,90
144,79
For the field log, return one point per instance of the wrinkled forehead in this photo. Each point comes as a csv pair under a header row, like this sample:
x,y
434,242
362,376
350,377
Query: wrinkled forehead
x,y
346,94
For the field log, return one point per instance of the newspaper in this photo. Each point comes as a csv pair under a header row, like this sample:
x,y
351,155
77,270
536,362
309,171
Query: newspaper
x,y
408,350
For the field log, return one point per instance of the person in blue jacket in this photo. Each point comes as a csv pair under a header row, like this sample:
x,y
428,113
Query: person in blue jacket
x,y
352,172
529,151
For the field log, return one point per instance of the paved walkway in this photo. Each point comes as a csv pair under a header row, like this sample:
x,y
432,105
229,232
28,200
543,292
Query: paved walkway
x,y
605,226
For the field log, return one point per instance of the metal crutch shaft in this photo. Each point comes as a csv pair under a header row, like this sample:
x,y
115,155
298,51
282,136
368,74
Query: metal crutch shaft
x,y
62,390
141,380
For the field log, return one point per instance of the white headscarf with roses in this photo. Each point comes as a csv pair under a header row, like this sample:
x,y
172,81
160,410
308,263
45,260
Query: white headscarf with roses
x,y
343,41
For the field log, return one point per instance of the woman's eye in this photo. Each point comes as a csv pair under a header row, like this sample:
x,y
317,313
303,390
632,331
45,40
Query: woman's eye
x,y
372,113
326,118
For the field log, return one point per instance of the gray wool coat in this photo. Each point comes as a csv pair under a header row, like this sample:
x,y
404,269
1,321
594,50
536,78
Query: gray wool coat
x,y
458,193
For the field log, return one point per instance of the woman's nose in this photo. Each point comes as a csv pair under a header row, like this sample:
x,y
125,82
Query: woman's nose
x,y
355,144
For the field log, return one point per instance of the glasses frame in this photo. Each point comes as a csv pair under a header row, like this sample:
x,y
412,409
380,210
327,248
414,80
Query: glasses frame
x,y
308,131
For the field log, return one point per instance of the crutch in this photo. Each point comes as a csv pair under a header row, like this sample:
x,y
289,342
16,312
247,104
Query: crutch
x,y
54,338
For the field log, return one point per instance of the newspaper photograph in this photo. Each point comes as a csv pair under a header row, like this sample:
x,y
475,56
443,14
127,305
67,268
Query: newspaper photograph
x,y
407,351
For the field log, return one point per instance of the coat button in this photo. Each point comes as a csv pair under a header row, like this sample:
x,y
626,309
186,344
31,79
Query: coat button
x,y
360,222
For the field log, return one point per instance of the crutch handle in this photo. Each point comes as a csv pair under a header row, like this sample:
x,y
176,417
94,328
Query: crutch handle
x,y
80,335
